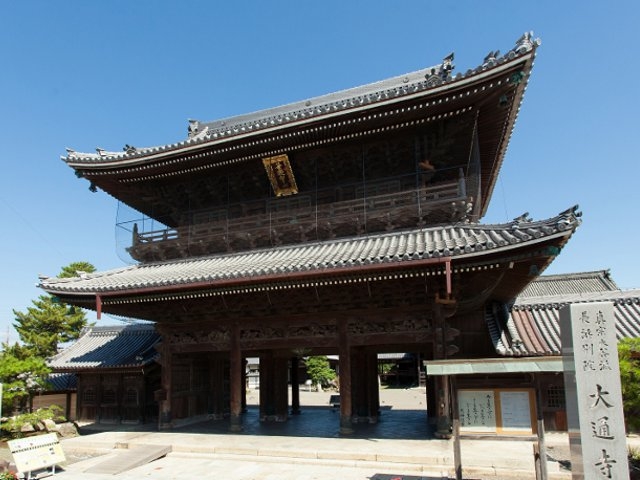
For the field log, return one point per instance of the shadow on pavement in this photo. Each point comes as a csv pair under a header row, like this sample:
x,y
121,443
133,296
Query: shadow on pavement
x,y
313,421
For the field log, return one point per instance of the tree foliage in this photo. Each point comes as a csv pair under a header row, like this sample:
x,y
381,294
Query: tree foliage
x,y
319,370
628,350
49,322
21,375
74,268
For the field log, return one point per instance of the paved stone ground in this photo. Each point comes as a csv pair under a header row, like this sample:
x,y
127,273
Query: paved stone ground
x,y
309,446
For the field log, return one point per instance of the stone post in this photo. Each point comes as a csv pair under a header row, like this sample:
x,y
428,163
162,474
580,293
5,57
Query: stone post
x,y
593,395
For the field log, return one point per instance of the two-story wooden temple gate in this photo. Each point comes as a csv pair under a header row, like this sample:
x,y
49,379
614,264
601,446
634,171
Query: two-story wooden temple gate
x,y
345,224
354,298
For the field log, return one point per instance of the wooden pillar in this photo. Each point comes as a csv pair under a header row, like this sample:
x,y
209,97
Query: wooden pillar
x,y
244,385
346,410
443,423
432,399
541,460
295,386
373,394
235,380
364,385
280,389
67,406
359,385
218,406
267,404
164,395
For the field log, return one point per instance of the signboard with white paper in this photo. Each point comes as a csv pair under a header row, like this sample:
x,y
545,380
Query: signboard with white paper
x,y
515,410
477,411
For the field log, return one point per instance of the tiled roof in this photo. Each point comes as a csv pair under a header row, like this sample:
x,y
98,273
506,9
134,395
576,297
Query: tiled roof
x,y
109,347
387,91
452,241
563,284
60,382
531,326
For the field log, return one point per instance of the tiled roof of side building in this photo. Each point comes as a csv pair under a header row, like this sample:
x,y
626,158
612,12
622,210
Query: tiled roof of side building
x,y
583,282
60,382
454,241
121,346
531,327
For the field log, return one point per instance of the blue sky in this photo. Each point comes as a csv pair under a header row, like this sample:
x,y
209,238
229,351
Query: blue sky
x,y
104,74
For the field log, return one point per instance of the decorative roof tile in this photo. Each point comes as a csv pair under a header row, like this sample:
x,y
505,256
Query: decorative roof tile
x,y
395,247
109,347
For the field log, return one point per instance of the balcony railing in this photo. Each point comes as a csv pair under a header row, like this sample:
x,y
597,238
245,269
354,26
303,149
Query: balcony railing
x,y
301,218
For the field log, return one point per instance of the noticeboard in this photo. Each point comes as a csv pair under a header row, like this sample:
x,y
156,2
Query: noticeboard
x,y
36,453
497,410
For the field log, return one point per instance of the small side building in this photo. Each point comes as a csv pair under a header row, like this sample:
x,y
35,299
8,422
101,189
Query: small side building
x,y
530,330
115,374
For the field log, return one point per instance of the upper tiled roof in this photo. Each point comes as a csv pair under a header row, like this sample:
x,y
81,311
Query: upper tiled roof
x,y
454,241
433,78
531,326
109,347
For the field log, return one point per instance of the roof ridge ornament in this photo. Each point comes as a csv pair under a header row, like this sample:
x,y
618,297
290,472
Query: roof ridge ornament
x,y
524,218
442,72
526,43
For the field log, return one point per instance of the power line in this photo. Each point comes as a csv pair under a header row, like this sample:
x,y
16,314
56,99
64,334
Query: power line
x,y
31,227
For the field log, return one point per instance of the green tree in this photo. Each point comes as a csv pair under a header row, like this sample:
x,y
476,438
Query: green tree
x,y
629,356
21,376
319,370
74,268
50,322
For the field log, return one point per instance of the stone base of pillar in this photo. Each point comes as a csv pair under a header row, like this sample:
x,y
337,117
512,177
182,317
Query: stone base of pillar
x,y
443,428
274,418
370,419
165,422
346,426
235,423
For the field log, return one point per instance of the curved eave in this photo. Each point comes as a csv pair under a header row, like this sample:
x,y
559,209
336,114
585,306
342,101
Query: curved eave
x,y
461,245
265,124
514,109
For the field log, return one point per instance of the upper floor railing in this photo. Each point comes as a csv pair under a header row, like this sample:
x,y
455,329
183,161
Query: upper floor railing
x,y
325,214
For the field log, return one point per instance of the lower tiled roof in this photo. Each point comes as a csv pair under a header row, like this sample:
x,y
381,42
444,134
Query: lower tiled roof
x,y
531,327
451,241
128,346
60,382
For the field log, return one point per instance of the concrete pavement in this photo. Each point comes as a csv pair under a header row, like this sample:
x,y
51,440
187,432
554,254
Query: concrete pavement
x,y
308,446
